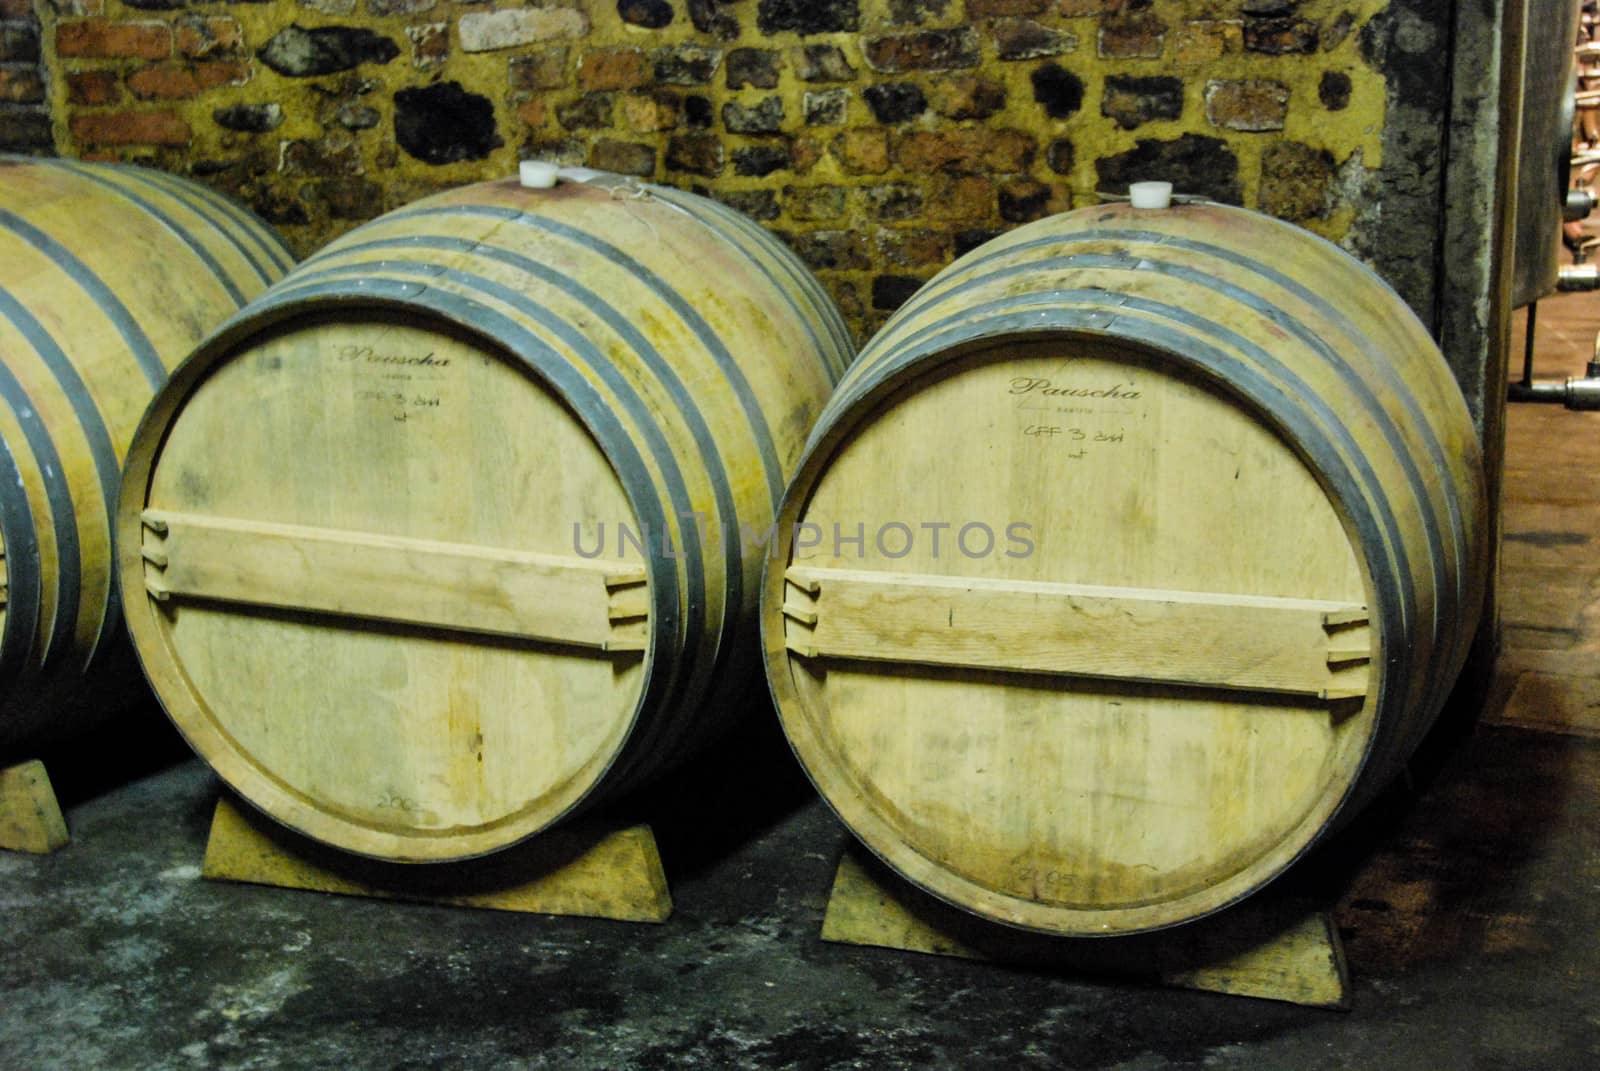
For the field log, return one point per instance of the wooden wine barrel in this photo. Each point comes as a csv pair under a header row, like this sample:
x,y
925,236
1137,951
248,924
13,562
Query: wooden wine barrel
x,y
472,554
1211,556
108,277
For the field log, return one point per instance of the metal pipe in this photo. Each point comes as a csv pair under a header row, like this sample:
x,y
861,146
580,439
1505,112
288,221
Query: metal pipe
x,y
1581,394
1579,203
1578,277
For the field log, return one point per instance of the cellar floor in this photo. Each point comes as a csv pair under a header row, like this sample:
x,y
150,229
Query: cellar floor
x,y
1468,901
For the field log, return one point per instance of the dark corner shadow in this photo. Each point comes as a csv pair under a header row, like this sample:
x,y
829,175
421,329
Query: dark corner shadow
x,y
133,741
724,797
1476,804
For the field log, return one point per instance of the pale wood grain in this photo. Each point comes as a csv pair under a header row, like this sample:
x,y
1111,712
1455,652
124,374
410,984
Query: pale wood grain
x,y
1239,642
490,590
30,818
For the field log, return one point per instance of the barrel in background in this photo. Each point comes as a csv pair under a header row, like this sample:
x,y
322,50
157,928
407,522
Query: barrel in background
x,y
108,277
474,554
1135,551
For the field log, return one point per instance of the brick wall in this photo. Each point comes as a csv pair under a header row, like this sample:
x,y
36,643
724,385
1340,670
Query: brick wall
x,y
24,109
880,137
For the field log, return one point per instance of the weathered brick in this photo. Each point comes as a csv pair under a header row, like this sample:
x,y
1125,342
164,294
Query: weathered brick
x,y
1280,36
822,63
349,197
623,157
930,50
613,68
588,112
983,9
709,19
756,161
1137,34
1060,157
697,154
1334,90
892,203
563,152
913,248
296,52
181,82
833,250
488,31
430,44
1333,33
1193,163
826,107
686,65
646,113
532,112
1297,181
107,39
967,97
956,198
846,294
1058,90
755,67
808,16
764,117
545,69
757,204
21,85
200,36
26,131
697,112
1251,104
1024,201
249,118
106,129
895,102
889,292
968,150
1135,101
970,238
321,7
863,151
1207,40
94,88
814,203
917,12
651,14
804,152
336,154
443,123
1086,9
388,8
353,116
1020,39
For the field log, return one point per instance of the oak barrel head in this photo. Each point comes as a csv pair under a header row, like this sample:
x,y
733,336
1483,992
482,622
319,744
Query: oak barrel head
x,y
471,559
1111,580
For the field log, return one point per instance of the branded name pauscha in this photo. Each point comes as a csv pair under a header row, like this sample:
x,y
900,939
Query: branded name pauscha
x,y
893,539
1030,385
370,356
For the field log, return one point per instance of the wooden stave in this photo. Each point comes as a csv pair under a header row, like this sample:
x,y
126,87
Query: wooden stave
x,y
890,362
66,296
671,713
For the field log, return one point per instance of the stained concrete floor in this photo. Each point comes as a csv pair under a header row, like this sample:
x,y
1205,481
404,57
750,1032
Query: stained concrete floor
x,y
1468,901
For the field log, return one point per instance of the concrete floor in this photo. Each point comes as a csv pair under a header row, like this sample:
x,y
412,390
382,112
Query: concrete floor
x,y
1469,903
